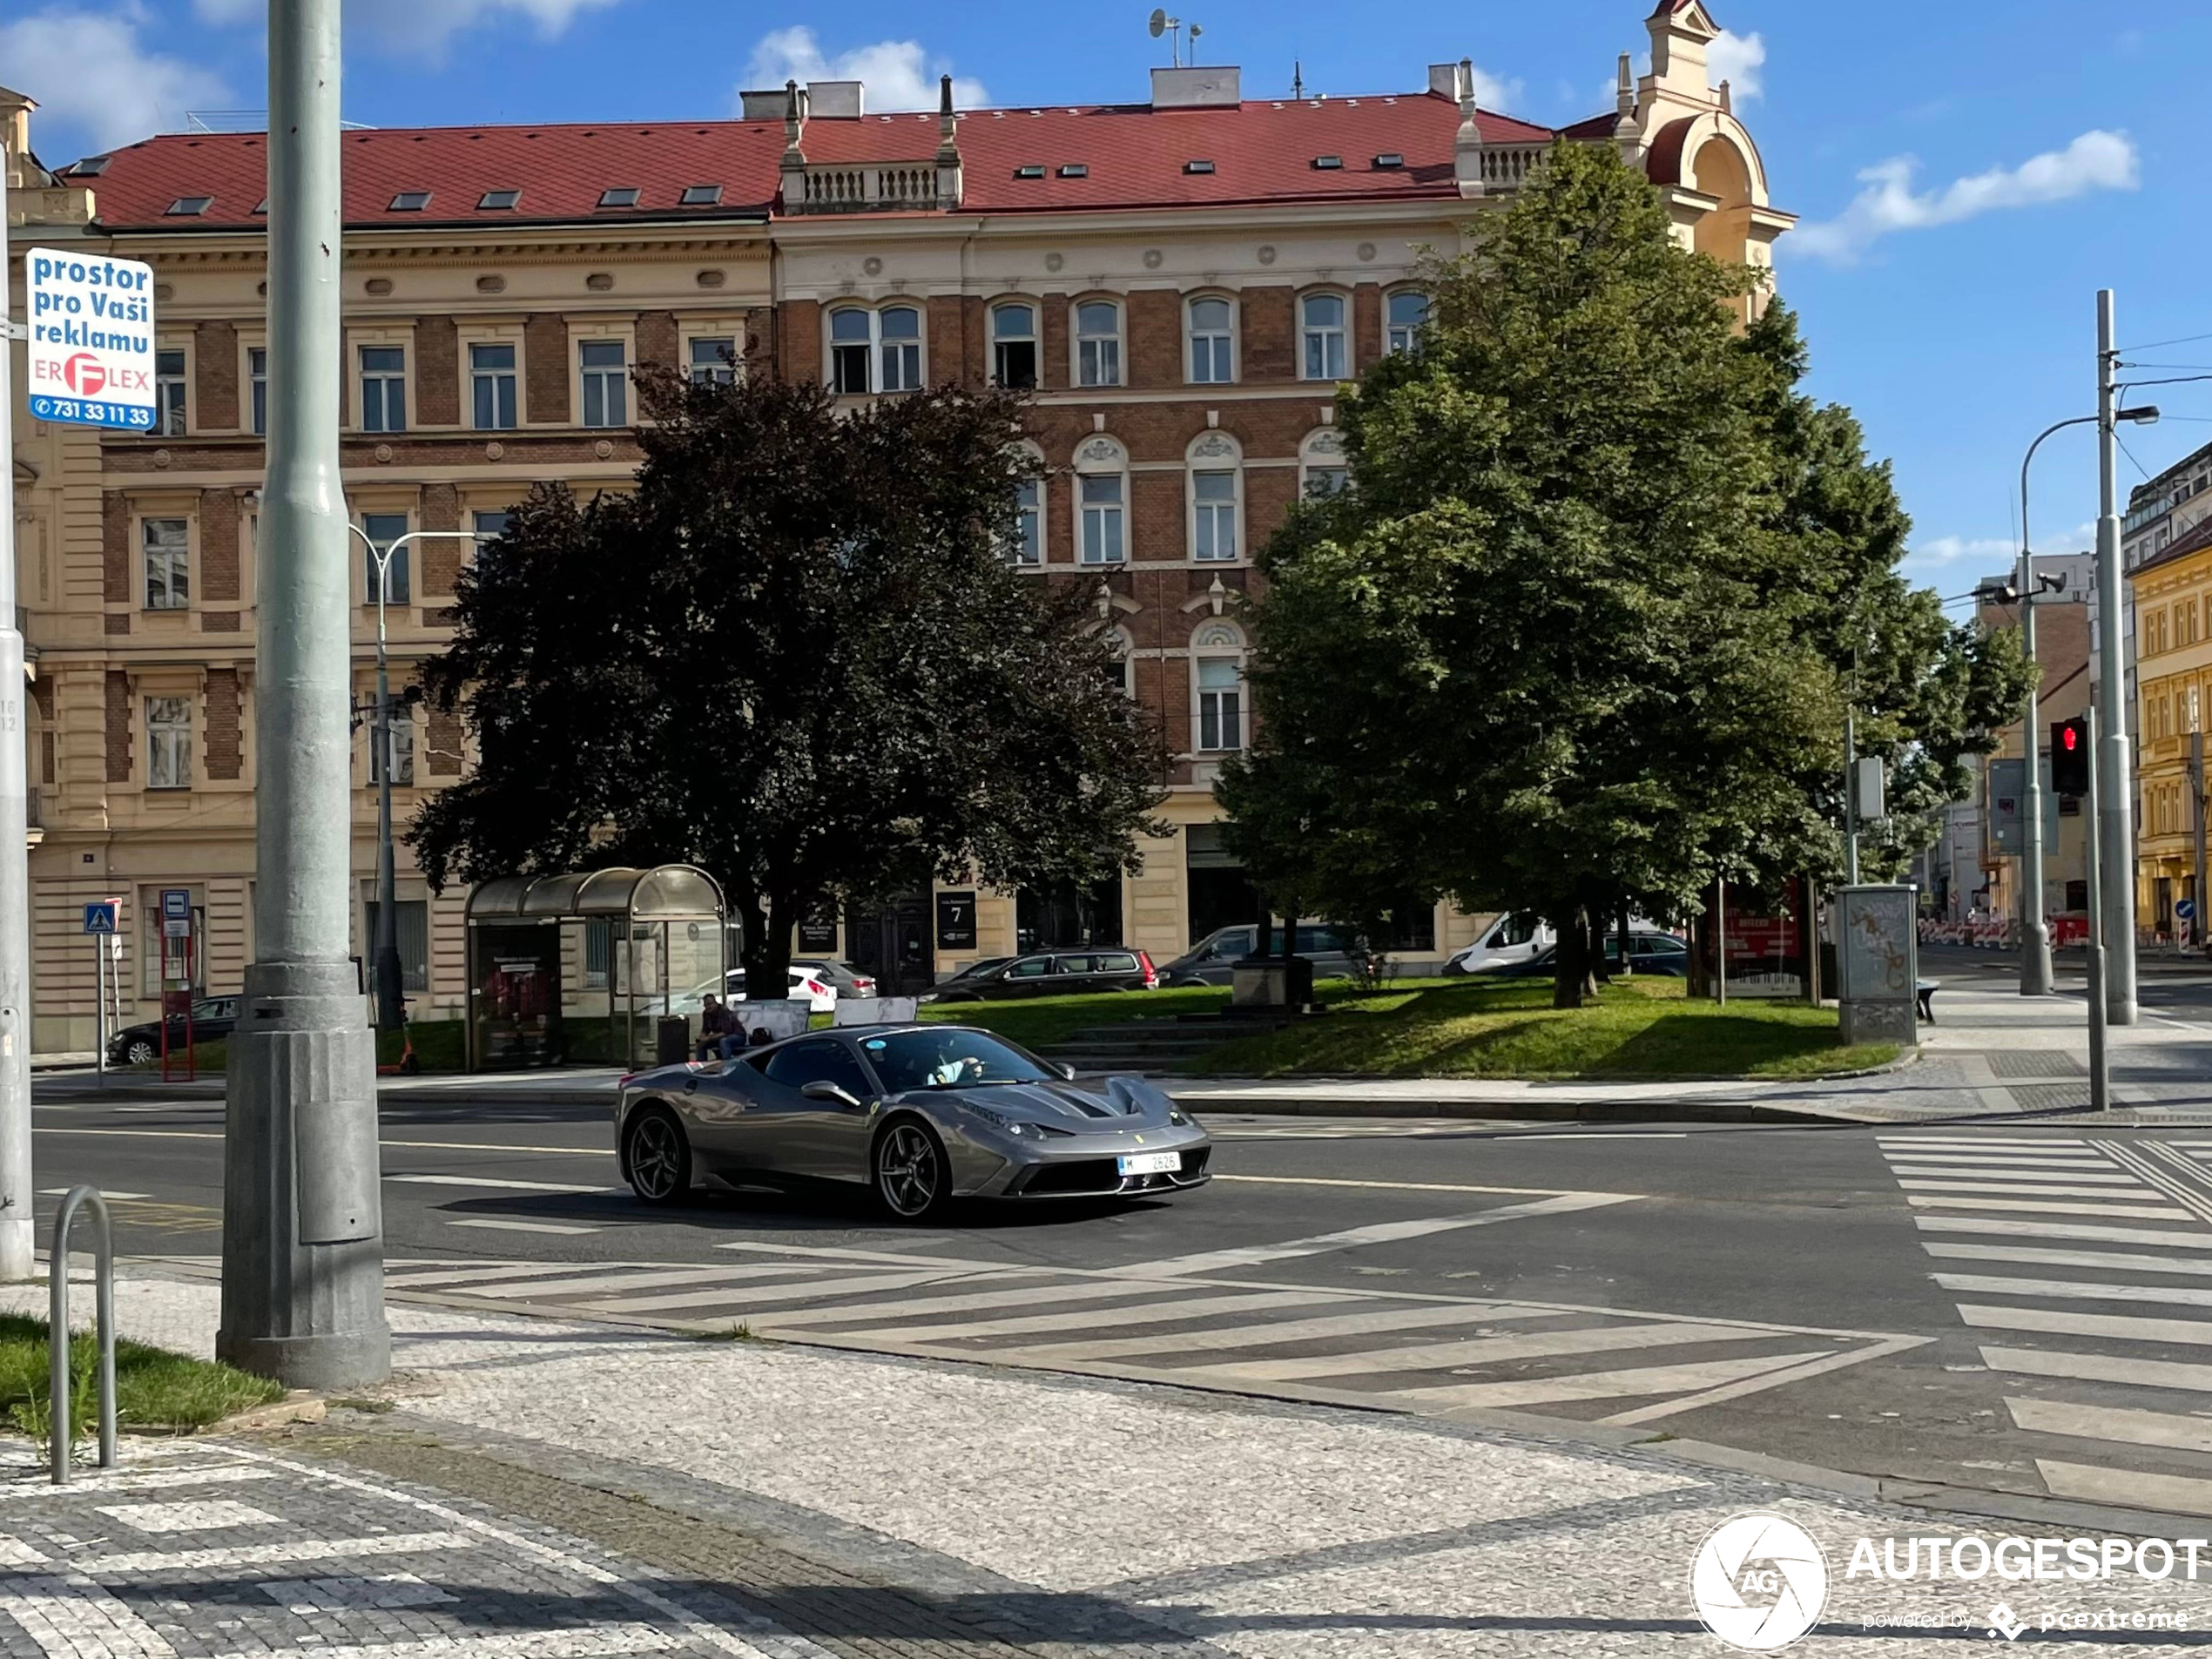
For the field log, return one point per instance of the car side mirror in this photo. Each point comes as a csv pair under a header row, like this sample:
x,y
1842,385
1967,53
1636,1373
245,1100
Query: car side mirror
x,y
1066,1072
823,1090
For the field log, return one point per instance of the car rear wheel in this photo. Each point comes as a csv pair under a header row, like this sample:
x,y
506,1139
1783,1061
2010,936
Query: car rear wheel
x,y
656,1156
912,1179
141,1052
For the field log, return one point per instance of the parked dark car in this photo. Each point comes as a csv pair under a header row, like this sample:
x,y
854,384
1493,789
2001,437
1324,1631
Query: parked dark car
x,y
1213,959
1048,973
138,1045
1648,954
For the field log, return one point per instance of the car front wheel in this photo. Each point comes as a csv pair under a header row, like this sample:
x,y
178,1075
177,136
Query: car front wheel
x,y
912,1177
656,1156
141,1052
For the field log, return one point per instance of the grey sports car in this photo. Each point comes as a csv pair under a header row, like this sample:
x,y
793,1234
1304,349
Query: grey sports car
x,y
922,1114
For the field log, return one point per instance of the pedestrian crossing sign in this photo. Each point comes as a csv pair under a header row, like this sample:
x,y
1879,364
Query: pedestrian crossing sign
x,y
100,918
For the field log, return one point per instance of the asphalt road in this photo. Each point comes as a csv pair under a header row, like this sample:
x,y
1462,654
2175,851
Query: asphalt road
x,y
1772,1288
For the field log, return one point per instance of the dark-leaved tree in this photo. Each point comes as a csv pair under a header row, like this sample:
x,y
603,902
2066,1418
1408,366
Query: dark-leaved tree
x,y
794,656
1578,637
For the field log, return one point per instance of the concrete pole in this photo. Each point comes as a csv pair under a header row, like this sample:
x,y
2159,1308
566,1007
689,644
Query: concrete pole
x,y
2196,835
387,955
2035,932
2115,776
303,1270
18,1225
2099,1064
1851,783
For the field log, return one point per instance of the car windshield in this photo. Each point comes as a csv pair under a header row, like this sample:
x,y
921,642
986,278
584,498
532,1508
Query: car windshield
x,y
952,1058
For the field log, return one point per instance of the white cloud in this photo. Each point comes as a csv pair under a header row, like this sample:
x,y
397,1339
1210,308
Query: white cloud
x,y
898,73
1737,59
424,26
91,74
1941,551
1492,93
2096,160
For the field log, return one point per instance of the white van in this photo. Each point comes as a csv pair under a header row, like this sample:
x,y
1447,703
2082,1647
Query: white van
x,y
1517,936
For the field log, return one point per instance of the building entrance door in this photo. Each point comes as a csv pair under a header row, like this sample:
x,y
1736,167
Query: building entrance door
x,y
891,942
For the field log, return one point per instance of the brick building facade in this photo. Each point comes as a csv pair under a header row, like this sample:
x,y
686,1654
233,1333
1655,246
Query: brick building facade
x,y
1183,283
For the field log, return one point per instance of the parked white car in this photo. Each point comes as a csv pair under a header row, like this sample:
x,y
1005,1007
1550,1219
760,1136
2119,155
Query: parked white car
x,y
1514,938
1518,937
808,985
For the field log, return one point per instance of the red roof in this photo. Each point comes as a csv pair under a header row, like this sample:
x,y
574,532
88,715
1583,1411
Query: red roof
x,y
1133,156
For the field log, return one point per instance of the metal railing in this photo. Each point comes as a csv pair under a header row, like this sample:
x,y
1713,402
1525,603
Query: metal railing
x,y
58,1426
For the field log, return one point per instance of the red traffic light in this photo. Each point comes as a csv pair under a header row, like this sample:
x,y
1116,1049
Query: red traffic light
x,y
2069,738
2070,758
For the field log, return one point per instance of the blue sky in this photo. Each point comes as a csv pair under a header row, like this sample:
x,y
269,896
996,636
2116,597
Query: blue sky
x,y
1975,169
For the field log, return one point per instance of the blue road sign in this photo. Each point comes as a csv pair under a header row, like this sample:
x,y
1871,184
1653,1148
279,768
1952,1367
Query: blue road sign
x,y
99,918
2186,910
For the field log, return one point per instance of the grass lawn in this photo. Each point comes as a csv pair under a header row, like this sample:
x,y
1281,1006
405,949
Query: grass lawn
x,y
155,1390
1644,1027
1039,1021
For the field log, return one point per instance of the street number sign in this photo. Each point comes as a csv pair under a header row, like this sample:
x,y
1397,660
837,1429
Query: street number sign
x,y
99,918
89,326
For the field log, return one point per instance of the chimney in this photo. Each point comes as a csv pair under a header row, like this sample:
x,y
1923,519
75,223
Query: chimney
x,y
948,169
792,169
1192,88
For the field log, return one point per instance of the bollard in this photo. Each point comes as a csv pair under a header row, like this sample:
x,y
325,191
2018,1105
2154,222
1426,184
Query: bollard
x,y
58,1327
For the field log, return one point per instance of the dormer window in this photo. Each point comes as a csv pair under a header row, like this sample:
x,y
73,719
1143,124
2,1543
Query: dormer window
x,y
1075,170
90,168
190,206
1197,166
1327,163
621,196
410,201
702,195
1031,171
494,200
1388,159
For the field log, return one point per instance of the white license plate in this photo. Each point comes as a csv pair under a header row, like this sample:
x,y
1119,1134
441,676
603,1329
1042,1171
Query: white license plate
x,y
1151,1163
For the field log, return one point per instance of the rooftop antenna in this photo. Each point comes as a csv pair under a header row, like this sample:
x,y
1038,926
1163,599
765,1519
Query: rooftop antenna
x,y
1297,79
1161,23
1195,32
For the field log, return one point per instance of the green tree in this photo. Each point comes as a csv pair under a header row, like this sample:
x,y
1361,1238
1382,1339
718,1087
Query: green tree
x,y
1570,644
794,656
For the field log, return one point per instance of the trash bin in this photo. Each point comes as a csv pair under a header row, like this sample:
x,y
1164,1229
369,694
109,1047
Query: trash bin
x,y
671,1040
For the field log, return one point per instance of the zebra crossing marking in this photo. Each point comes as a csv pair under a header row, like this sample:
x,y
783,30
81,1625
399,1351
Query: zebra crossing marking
x,y
2113,1423
1234,1332
2039,1195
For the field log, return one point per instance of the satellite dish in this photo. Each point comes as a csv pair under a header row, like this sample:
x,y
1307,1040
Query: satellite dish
x,y
1159,24
1195,32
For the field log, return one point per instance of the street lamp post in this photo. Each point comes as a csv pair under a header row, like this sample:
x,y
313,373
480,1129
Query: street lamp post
x,y
391,988
2115,777
2036,979
303,1267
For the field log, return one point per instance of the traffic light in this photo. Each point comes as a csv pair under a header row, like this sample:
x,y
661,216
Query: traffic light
x,y
2070,757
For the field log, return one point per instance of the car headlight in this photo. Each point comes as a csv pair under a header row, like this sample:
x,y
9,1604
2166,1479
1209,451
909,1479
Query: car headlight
x,y
1016,1127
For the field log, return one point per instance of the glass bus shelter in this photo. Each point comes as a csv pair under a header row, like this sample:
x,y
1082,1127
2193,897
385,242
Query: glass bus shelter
x,y
579,970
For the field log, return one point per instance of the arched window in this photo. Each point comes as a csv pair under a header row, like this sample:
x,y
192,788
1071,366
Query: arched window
x,y
1099,343
1217,493
874,350
1212,338
1014,344
1321,465
1321,318
1102,502
1404,315
1218,683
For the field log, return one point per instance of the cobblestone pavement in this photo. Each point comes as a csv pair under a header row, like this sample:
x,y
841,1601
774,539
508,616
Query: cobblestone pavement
x,y
529,1489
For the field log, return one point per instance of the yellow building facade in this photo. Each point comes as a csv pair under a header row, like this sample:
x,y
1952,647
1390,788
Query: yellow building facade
x,y
2173,596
